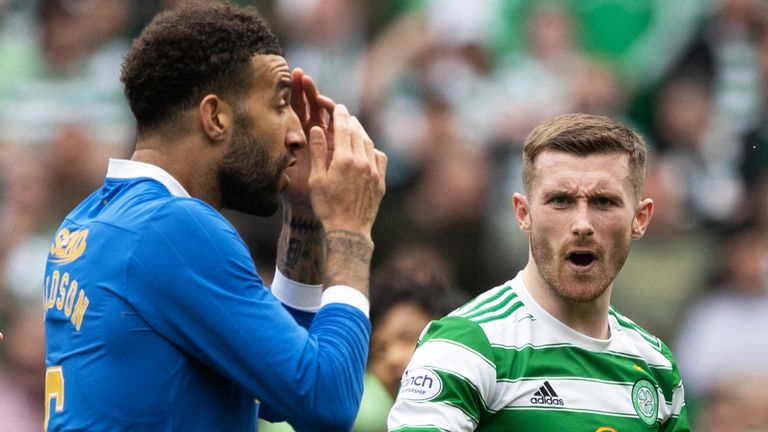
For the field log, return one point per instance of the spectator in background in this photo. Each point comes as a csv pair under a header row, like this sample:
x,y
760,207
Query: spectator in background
x,y
717,340
739,404
61,65
690,136
446,203
413,286
329,39
542,80
672,261
25,225
22,365
73,164
724,53
754,146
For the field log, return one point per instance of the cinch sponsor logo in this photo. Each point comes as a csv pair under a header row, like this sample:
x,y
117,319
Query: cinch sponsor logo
x,y
420,384
68,246
546,395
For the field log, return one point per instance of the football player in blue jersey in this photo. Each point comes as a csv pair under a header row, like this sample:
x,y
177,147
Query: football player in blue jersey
x,y
156,318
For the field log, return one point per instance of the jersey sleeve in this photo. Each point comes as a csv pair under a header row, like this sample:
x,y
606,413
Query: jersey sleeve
x,y
301,300
192,279
675,409
449,382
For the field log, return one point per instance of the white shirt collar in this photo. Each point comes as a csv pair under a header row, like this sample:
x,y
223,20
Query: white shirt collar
x,y
125,169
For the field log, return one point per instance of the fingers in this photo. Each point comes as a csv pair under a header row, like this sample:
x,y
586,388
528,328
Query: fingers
x,y
381,166
327,103
316,111
298,99
351,140
318,150
342,142
364,144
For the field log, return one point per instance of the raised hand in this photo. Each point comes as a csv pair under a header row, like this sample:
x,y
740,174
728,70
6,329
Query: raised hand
x,y
313,110
346,192
311,107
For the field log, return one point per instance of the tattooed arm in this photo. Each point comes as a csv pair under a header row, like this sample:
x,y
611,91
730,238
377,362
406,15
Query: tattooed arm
x,y
349,258
301,248
336,186
346,192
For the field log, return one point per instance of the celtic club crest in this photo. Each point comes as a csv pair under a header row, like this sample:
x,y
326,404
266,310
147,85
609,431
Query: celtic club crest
x,y
645,399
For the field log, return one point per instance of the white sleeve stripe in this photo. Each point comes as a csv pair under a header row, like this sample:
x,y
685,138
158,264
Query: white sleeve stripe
x,y
676,406
297,295
346,295
458,360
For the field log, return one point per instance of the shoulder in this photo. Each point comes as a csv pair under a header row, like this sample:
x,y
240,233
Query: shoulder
x,y
470,323
644,346
497,312
465,341
191,218
193,233
493,305
650,347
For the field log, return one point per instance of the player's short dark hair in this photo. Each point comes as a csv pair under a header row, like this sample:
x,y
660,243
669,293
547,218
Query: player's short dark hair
x,y
584,134
191,51
416,275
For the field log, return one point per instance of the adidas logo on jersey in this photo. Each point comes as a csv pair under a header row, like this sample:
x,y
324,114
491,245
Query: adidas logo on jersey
x,y
546,395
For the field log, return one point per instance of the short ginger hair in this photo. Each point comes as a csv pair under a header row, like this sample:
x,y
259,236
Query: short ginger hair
x,y
585,134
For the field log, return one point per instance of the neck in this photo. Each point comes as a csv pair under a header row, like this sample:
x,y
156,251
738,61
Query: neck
x,y
196,174
587,318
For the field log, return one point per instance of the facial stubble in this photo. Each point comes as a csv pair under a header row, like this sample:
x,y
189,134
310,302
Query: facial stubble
x,y
248,178
567,284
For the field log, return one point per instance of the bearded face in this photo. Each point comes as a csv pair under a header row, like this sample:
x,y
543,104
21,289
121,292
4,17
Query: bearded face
x,y
581,216
556,261
249,178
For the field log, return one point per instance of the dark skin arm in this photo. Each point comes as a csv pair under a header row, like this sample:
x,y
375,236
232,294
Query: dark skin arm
x,y
336,189
301,247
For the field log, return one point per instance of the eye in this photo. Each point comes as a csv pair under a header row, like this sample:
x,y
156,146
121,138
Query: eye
x,y
603,202
560,200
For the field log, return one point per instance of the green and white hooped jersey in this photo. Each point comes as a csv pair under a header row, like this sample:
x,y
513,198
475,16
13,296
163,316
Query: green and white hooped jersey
x,y
501,363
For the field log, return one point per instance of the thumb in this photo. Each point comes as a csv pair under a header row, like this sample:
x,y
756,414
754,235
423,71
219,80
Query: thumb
x,y
318,151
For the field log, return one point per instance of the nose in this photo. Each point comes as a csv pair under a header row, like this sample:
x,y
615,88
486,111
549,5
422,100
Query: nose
x,y
295,139
582,225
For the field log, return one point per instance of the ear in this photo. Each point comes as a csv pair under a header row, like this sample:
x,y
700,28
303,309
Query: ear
x,y
522,212
642,218
216,118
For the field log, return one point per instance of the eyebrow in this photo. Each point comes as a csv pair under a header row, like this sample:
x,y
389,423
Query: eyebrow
x,y
564,192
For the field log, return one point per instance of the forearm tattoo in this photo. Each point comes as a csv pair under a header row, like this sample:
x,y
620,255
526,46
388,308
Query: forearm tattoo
x,y
349,259
302,224
301,250
353,246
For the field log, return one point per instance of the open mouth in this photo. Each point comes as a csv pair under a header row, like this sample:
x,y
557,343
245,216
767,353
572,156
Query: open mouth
x,y
581,260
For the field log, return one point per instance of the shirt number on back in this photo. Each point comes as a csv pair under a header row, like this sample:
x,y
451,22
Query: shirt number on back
x,y
54,389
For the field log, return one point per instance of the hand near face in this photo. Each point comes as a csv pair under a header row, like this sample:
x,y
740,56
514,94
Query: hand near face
x,y
347,189
312,109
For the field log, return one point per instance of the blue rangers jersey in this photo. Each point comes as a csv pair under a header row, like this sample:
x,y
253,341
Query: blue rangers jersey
x,y
156,320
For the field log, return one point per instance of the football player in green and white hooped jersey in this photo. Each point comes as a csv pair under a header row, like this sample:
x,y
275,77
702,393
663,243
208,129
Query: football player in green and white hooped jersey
x,y
546,351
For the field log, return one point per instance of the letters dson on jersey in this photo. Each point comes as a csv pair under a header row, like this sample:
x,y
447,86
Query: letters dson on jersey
x,y
61,289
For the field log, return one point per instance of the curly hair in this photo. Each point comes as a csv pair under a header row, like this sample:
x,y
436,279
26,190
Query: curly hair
x,y
189,52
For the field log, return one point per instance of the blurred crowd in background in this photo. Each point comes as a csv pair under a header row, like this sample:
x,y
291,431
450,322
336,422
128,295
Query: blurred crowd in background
x,y
448,89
